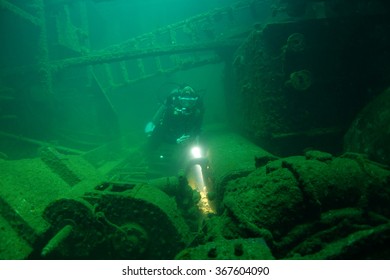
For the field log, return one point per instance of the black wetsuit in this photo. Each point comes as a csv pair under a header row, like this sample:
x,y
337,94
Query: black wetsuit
x,y
172,121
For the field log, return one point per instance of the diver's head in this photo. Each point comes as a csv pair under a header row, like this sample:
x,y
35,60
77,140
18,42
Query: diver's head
x,y
187,98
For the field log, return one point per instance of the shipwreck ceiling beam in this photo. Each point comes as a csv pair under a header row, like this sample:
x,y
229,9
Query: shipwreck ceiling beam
x,y
109,57
20,12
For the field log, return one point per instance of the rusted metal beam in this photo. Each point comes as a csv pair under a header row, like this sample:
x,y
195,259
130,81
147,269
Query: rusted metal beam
x,y
20,12
109,57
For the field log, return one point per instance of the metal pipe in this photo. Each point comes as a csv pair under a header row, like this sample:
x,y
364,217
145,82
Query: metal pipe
x,y
57,240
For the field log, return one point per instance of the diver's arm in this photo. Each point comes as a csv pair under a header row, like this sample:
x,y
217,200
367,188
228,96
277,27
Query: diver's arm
x,y
157,119
193,134
158,116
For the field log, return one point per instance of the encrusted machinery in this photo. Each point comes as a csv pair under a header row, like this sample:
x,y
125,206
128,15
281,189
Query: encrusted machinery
x,y
28,186
315,206
312,206
84,216
230,156
61,207
116,221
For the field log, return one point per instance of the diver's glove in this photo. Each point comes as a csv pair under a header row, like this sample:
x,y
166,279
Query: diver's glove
x,y
149,128
183,139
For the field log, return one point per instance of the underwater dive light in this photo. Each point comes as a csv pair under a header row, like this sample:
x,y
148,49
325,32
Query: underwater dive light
x,y
196,152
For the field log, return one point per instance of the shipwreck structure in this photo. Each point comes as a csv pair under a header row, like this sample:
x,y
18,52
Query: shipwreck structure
x,y
300,172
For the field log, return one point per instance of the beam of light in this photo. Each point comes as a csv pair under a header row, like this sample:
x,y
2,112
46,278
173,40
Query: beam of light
x,y
196,181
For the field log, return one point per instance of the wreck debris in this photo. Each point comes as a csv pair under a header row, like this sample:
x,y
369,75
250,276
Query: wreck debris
x,y
295,43
56,241
235,249
300,190
300,80
369,133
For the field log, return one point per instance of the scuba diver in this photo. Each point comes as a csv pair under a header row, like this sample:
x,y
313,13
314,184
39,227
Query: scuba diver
x,y
178,120
174,149
175,125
